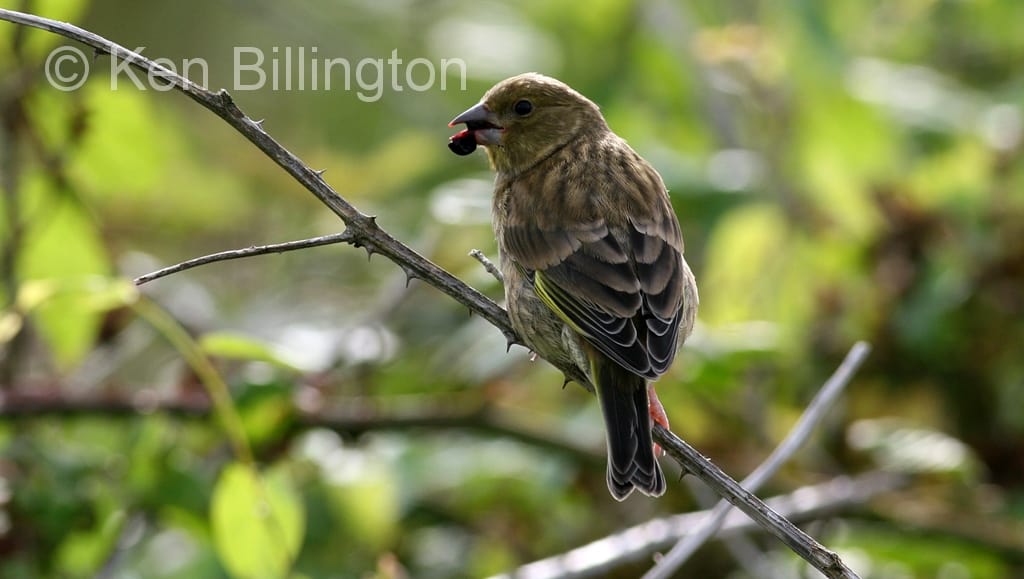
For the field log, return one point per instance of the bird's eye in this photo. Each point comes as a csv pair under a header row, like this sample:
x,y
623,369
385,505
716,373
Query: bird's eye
x,y
522,107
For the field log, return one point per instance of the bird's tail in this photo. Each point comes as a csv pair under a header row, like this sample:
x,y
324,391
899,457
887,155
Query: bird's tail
x,y
631,460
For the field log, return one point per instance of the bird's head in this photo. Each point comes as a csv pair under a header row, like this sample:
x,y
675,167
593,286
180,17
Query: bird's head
x,y
524,119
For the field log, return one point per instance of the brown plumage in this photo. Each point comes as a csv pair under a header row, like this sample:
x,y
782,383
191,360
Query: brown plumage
x,y
591,253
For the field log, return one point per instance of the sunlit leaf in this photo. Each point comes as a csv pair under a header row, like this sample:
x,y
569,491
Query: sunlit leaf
x,y
746,251
241,347
267,412
156,175
364,497
258,522
843,146
83,295
121,135
84,551
10,325
62,248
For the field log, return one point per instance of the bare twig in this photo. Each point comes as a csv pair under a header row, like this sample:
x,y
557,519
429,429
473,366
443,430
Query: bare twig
x,y
359,417
343,237
488,264
600,558
818,408
366,233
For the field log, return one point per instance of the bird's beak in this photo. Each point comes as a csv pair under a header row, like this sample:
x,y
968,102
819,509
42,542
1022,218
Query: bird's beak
x,y
482,123
479,113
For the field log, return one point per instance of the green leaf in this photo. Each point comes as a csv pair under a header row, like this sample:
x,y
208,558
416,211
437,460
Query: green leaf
x,y
10,325
65,250
84,295
241,347
258,522
843,147
84,550
267,412
747,248
364,496
39,42
121,135
94,292
165,176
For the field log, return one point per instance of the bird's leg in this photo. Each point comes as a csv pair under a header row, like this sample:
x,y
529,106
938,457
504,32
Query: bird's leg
x,y
657,414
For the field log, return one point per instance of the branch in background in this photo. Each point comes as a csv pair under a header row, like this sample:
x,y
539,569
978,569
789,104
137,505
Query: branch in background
x,y
748,555
343,237
366,233
796,438
600,558
364,418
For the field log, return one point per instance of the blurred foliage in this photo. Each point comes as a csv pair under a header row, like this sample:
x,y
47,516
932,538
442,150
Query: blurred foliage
x,y
843,170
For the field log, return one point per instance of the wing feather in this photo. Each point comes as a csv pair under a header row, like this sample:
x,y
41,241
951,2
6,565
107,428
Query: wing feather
x,y
623,292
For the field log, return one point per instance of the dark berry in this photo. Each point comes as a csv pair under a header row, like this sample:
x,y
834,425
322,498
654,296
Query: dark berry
x,y
462,143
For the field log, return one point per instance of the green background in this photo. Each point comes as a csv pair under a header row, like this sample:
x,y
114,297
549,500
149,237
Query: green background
x,y
842,170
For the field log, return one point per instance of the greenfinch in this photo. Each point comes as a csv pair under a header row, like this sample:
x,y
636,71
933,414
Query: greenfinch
x,y
592,256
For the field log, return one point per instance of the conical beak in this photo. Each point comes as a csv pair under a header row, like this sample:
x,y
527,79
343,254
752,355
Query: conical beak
x,y
477,114
481,125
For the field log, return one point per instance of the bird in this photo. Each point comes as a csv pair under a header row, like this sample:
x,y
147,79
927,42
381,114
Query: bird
x,y
591,253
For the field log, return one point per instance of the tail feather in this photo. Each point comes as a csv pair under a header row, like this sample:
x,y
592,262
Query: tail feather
x,y
631,460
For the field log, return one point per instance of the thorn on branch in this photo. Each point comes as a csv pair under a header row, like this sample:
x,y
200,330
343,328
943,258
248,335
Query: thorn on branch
x,y
410,275
360,241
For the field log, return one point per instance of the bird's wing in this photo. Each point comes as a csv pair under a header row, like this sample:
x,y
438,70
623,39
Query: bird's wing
x,y
621,290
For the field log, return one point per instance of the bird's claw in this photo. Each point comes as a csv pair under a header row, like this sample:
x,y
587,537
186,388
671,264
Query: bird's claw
x,y
657,415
